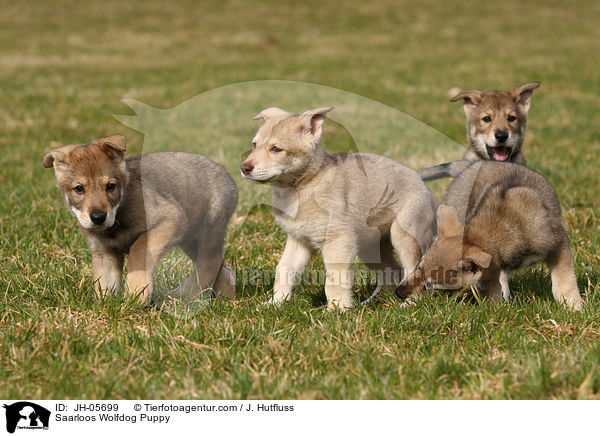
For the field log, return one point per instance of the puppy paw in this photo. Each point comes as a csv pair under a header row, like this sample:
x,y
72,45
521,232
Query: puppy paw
x,y
225,282
407,303
574,303
273,302
342,306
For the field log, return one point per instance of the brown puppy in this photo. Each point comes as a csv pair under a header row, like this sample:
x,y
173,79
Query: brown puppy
x,y
143,206
497,217
496,125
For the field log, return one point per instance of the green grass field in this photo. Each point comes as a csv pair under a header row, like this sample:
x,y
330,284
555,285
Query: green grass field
x,y
64,69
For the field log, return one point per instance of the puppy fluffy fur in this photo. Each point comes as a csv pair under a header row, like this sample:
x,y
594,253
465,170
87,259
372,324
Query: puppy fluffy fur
x,y
341,205
496,218
496,125
144,206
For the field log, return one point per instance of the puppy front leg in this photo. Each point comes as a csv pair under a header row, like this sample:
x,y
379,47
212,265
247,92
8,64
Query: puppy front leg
x,y
144,254
504,284
339,258
491,286
290,268
139,279
107,269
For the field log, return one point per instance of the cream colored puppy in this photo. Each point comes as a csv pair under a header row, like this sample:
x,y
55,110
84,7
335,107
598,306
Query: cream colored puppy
x,y
343,205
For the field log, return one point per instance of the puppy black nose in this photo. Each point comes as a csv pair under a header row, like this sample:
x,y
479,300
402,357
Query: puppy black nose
x,y
98,217
501,135
246,168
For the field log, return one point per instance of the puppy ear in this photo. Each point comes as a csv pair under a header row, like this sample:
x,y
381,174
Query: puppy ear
x,y
271,112
313,120
522,94
476,256
58,158
114,147
448,223
471,97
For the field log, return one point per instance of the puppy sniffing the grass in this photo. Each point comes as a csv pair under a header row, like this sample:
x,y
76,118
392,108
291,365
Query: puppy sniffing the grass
x,y
144,206
341,205
496,125
497,217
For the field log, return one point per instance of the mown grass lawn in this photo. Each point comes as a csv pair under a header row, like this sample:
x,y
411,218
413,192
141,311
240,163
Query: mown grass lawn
x,y
64,67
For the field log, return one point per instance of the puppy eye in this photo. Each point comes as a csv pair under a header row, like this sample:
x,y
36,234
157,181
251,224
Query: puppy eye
x,y
79,189
276,149
253,145
110,187
511,118
487,119
468,266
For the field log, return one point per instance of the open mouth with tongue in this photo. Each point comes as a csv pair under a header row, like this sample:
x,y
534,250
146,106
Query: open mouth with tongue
x,y
500,152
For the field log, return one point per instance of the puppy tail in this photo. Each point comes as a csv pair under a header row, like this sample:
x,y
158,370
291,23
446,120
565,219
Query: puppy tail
x,y
445,170
374,295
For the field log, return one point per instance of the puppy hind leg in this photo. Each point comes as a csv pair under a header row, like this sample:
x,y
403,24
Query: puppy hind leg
x,y
206,249
388,270
225,281
407,246
208,263
504,284
190,284
492,289
409,251
188,287
564,281
339,256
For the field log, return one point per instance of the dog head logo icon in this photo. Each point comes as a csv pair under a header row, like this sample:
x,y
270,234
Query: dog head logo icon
x,y
26,415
